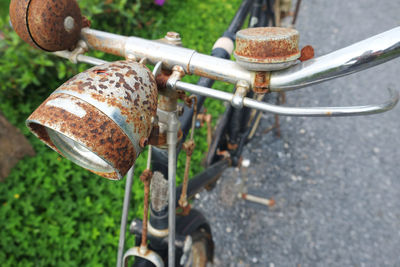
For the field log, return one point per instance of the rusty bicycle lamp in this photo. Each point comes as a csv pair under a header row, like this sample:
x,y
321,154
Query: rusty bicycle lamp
x,y
101,118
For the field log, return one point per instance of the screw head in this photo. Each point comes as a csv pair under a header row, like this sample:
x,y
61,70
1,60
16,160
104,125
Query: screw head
x,y
173,36
69,24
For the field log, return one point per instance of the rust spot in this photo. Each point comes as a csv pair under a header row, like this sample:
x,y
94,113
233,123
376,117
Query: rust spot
x,y
160,139
183,210
85,22
108,45
232,146
307,53
145,177
188,147
143,142
272,202
261,82
131,72
154,135
202,73
162,79
100,71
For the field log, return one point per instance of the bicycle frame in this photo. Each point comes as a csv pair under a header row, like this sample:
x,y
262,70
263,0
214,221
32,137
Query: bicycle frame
x,y
181,61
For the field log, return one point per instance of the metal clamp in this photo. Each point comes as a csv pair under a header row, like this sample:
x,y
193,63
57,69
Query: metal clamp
x,y
80,49
293,111
157,69
242,87
177,73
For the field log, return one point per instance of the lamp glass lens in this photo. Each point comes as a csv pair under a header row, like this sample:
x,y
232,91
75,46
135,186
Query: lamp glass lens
x,y
78,153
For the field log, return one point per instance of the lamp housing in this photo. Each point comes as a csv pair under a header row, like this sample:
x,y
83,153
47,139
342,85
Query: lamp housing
x,y
101,118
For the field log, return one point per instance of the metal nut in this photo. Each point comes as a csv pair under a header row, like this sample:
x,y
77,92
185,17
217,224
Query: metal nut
x,y
173,36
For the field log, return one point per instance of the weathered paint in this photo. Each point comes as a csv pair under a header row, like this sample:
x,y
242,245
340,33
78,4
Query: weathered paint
x,y
261,82
94,130
40,23
267,45
112,105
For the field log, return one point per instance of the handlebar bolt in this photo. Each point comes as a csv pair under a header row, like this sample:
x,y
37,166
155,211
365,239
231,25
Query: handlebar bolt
x,y
131,57
173,36
69,24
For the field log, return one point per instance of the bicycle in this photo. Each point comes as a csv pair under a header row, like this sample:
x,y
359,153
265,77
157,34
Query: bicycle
x,y
162,129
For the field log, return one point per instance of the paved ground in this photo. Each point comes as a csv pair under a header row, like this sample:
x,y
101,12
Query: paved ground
x,y
335,181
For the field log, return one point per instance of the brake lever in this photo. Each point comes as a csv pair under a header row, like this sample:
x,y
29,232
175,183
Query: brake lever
x,y
294,111
331,111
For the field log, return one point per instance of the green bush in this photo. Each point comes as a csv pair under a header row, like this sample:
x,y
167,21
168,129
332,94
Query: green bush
x,y
53,212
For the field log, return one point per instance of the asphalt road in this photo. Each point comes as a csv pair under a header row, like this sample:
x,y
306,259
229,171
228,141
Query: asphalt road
x,y
335,180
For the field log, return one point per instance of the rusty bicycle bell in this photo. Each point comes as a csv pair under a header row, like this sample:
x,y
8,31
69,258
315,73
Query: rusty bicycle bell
x,y
101,118
50,25
267,48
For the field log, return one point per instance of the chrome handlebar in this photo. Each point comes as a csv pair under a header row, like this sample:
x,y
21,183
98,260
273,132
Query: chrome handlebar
x,y
359,56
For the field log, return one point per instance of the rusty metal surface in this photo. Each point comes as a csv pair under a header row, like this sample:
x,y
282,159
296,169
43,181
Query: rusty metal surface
x,y
18,10
41,23
168,102
207,118
261,82
307,53
267,45
154,52
124,94
159,192
82,121
124,90
105,42
162,79
188,147
169,97
145,177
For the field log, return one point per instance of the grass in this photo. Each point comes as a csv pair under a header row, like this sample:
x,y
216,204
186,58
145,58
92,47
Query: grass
x,y
54,212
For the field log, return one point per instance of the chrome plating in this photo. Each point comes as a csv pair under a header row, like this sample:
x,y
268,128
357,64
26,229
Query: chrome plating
x,y
359,56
